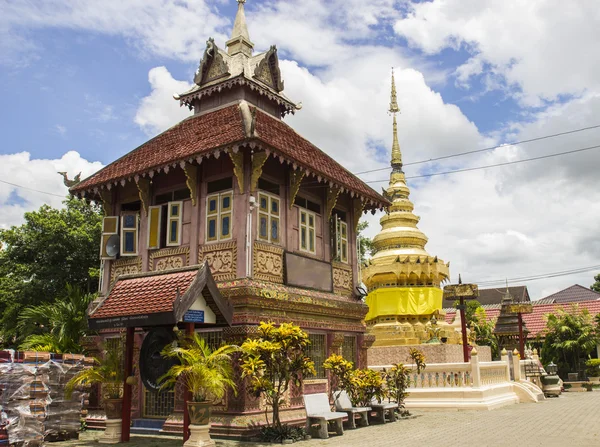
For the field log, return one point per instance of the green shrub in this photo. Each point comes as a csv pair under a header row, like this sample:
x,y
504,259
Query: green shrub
x,y
592,368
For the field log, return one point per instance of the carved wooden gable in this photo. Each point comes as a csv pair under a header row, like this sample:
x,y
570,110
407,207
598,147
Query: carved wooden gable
x,y
212,66
267,71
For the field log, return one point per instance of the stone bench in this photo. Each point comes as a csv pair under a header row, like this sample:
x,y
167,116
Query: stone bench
x,y
576,387
318,411
383,409
342,403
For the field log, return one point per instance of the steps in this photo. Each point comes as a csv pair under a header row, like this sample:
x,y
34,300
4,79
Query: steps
x,y
147,426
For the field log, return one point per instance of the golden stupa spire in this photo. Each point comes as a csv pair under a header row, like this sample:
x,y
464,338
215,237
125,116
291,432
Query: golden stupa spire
x,y
396,154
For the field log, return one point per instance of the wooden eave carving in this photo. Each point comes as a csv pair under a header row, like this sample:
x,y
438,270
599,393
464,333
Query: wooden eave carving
x,y
107,201
238,168
295,181
143,186
191,180
258,161
332,196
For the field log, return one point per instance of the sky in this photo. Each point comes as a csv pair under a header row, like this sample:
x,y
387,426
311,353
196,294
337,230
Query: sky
x,y
83,82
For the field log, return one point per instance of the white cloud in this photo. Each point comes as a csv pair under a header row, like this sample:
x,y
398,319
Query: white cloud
x,y
157,27
544,47
39,175
158,111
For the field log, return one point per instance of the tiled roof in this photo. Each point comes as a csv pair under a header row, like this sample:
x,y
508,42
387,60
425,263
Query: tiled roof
x,y
575,293
192,136
535,321
282,137
203,133
150,294
494,296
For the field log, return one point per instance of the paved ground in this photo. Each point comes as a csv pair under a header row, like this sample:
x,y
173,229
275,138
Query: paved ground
x,y
572,420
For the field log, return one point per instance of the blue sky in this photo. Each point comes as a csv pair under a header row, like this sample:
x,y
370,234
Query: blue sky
x,y
84,82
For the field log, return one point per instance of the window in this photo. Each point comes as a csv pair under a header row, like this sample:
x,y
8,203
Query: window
x,y
349,349
129,234
308,237
219,209
174,213
316,352
268,217
339,236
154,226
214,339
308,204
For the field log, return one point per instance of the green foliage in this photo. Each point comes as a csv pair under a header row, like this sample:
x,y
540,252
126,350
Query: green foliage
x,y
417,356
470,309
365,244
273,360
592,367
206,373
570,336
107,371
596,286
53,248
397,380
484,331
57,327
361,385
282,433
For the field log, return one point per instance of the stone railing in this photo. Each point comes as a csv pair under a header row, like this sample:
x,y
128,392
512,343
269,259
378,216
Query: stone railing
x,y
473,374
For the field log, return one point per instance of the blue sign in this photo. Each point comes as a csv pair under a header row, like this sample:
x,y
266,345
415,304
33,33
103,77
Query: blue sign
x,y
194,316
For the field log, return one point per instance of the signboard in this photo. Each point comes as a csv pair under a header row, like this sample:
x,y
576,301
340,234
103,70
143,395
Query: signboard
x,y
194,316
520,308
143,320
466,291
308,273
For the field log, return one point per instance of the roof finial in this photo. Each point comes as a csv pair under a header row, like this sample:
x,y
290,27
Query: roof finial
x,y
240,39
396,154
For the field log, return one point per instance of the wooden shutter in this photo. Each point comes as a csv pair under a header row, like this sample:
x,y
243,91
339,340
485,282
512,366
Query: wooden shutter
x,y
154,226
110,226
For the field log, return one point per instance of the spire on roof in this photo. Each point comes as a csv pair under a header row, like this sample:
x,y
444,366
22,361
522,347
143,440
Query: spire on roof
x,y
396,154
240,39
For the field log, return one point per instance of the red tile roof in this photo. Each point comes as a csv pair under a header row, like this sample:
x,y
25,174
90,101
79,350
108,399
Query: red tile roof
x,y
224,127
283,138
188,138
149,294
535,321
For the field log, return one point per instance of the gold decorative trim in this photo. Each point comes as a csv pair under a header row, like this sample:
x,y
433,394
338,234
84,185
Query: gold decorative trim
x,y
125,266
295,181
358,209
143,186
332,196
342,279
258,161
221,258
238,168
268,262
191,180
170,258
107,203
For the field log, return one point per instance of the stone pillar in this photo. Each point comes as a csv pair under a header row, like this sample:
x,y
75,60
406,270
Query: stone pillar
x,y
475,372
364,341
504,358
517,365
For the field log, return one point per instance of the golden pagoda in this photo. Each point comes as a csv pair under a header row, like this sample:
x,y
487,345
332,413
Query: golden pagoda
x,y
402,279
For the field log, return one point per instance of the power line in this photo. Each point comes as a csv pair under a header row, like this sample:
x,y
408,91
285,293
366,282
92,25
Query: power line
x,y
460,154
541,157
31,189
540,276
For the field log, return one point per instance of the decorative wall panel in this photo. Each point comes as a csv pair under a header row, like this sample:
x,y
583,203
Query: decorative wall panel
x,y
125,266
221,258
169,259
268,262
342,279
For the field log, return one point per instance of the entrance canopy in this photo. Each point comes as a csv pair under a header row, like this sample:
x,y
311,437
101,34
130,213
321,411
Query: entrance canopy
x,y
164,298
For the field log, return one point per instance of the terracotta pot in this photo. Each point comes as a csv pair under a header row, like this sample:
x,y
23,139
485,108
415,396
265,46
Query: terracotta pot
x,y
199,412
113,408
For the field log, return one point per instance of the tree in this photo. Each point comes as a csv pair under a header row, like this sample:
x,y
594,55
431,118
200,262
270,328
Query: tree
x,y
273,360
470,309
53,248
365,244
484,331
596,286
571,336
59,326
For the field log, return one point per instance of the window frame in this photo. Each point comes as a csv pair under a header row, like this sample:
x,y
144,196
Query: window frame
x,y
135,230
218,215
340,226
307,227
270,215
178,219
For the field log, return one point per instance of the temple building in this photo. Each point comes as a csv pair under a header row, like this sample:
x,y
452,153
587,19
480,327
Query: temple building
x,y
403,280
227,219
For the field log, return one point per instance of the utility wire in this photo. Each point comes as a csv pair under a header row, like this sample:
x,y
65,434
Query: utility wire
x,y
31,189
460,154
539,276
541,157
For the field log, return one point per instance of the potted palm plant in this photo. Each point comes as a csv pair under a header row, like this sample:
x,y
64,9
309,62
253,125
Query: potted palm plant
x,y
108,371
206,373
